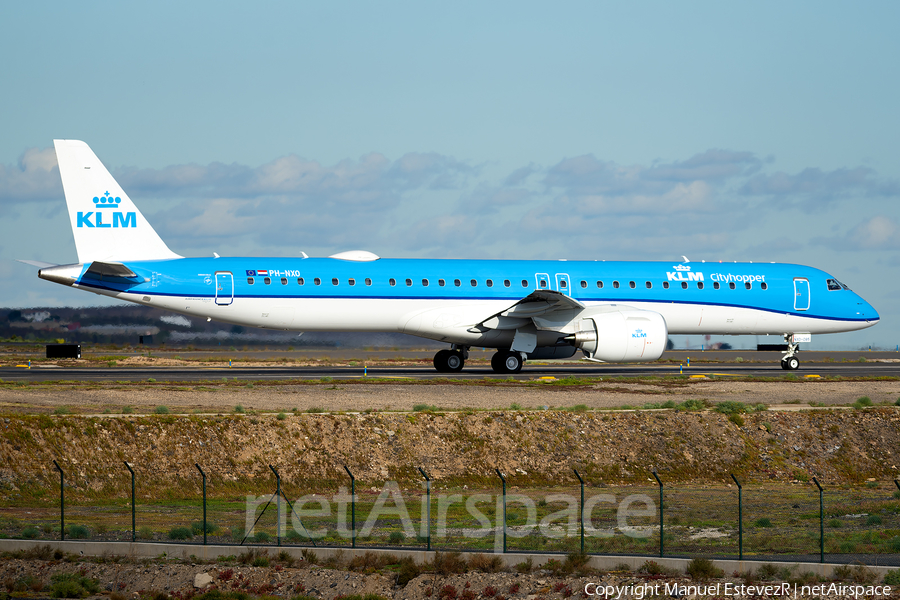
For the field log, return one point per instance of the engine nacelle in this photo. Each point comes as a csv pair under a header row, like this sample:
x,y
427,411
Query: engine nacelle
x,y
623,336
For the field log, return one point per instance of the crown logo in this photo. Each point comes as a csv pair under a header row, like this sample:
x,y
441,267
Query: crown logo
x,y
106,201
682,268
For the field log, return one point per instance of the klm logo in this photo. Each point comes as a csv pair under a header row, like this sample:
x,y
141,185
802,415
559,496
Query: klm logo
x,y
106,214
639,334
683,273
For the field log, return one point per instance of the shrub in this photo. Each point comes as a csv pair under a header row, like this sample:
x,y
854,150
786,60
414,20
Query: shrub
x,y
197,527
162,410
61,410
180,532
873,520
835,523
72,585
127,410
736,419
763,522
407,570
315,409
731,407
767,572
396,538
29,533
862,402
703,569
281,416
293,536
239,409
79,532
855,574
526,566
485,563
448,563
892,577
144,532
260,561
650,567
262,537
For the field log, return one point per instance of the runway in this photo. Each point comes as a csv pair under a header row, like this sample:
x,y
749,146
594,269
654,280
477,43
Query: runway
x,y
821,364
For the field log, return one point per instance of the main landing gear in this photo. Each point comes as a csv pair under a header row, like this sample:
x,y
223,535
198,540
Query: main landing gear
x,y
451,361
507,361
790,362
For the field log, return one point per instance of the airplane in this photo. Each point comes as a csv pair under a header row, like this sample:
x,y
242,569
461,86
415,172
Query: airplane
x,y
620,311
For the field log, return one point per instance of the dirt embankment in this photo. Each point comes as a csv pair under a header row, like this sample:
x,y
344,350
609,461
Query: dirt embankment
x,y
531,446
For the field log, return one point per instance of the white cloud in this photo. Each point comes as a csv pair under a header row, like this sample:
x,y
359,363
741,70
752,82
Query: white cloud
x,y
880,232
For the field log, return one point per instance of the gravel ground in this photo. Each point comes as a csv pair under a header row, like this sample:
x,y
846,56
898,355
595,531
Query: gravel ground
x,y
360,397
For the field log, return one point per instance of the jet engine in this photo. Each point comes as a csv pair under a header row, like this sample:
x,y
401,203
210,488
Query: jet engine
x,y
622,336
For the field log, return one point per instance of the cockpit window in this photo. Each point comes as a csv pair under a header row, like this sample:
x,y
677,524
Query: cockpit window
x,y
833,284
844,285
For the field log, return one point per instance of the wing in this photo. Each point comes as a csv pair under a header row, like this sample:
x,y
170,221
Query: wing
x,y
543,308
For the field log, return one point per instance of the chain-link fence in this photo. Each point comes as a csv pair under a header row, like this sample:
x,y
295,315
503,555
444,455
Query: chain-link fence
x,y
773,521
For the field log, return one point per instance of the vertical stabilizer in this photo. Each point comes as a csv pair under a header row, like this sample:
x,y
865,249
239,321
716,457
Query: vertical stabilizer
x,y
106,223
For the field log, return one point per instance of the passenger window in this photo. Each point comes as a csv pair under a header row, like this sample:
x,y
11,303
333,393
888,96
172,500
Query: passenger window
x,y
563,284
665,285
490,283
615,284
543,284
631,284
583,283
368,281
409,283
250,280
300,281
764,285
351,281
474,283
334,281
731,285
649,285
716,285
457,282
424,283
600,284
284,281
699,285
684,285
317,281
748,285
525,283
267,280
506,283
392,281
441,282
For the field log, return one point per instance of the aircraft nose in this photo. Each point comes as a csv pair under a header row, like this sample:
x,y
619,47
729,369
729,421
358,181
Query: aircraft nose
x,y
867,311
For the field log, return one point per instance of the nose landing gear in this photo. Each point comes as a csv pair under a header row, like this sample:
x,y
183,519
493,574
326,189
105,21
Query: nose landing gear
x,y
790,362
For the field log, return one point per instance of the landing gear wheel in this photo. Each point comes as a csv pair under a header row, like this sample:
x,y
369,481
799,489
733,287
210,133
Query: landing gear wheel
x,y
449,361
455,362
440,361
507,361
791,363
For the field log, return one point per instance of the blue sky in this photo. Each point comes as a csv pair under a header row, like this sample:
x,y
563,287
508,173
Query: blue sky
x,y
764,131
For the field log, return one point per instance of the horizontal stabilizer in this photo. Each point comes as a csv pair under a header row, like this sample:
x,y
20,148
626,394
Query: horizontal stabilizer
x,y
37,263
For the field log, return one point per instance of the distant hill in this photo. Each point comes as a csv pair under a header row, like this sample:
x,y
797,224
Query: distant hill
x,y
126,324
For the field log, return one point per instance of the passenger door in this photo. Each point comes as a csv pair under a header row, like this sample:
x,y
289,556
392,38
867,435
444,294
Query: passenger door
x,y
563,284
801,293
224,288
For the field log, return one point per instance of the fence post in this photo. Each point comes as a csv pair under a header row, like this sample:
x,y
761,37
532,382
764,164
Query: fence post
x,y
352,507
62,503
662,531
740,518
428,501
821,522
277,506
897,483
202,474
581,509
503,479
127,466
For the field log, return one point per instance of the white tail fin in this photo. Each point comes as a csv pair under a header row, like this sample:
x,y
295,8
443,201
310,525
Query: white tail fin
x,y
106,223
